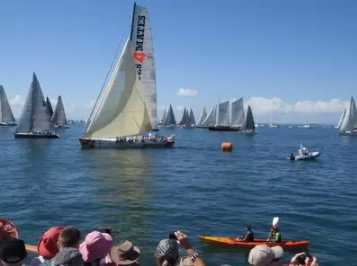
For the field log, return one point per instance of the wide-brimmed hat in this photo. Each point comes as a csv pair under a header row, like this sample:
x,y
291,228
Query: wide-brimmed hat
x,y
47,245
13,250
263,255
95,246
125,253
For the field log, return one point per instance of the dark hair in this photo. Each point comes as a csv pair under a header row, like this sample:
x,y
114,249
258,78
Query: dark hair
x,y
69,237
93,263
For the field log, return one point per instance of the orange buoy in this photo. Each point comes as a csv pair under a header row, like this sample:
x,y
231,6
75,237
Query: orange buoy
x,y
227,146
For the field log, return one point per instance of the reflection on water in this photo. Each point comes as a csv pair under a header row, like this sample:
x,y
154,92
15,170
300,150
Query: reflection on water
x,y
122,190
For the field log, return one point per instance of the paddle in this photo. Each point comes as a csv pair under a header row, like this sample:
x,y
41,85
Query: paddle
x,y
274,222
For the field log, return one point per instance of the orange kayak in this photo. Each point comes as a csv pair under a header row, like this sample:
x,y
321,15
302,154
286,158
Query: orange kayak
x,y
228,241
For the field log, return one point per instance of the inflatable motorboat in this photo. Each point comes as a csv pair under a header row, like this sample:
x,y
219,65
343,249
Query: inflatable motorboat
x,y
304,155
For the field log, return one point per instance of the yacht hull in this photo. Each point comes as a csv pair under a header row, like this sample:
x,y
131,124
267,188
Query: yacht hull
x,y
36,136
4,124
348,133
114,143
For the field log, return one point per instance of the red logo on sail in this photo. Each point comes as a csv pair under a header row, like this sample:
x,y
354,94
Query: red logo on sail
x,y
139,56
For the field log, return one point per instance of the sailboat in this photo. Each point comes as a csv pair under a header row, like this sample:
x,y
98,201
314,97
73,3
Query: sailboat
x,y
192,119
34,121
349,122
186,119
249,125
230,116
6,115
202,118
170,120
59,119
127,108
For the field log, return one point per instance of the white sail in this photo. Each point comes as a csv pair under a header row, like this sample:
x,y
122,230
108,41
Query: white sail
x,y
341,118
223,114
6,114
164,115
59,115
350,118
34,114
238,117
143,52
122,110
211,118
202,117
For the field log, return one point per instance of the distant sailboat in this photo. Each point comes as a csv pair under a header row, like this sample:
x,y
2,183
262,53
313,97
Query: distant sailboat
x,y
126,108
35,120
49,107
211,118
202,118
192,119
230,116
6,115
349,122
249,125
273,125
185,120
170,120
59,119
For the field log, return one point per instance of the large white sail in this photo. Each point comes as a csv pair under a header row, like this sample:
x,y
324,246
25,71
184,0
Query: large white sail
x,y
238,117
211,118
143,52
350,118
59,115
6,114
34,114
223,114
341,118
122,110
202,117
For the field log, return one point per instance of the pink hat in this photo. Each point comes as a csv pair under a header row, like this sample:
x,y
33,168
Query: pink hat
x,y
95,246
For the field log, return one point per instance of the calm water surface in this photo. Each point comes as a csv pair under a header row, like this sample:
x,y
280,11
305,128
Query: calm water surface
x,y
193,187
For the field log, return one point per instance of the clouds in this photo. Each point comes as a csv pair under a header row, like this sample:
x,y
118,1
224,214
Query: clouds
x,y
262,105
187,92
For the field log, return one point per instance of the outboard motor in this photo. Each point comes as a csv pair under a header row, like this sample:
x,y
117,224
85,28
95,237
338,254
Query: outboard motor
x,y
292,157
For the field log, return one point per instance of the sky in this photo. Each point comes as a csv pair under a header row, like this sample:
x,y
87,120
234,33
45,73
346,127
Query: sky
x,y
292,61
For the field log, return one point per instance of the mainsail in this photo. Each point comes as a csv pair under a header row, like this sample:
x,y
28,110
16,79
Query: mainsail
x,y
170,117
249,121
192,119
350,119
202,117
6,114
49,107
184,117
59,115
164,115
211,118
143,51
122,110
34,114
237,113
341,118
223,114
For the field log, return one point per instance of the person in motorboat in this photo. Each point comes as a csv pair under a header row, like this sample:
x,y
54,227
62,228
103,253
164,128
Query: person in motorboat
x,y
249,235
275,233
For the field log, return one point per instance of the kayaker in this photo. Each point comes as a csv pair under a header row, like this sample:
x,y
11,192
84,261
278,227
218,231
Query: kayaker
x,y
249,235
275,234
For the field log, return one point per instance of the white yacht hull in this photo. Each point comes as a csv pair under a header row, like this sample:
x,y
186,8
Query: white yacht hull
x,y
114,143
8,124
348,133
61,126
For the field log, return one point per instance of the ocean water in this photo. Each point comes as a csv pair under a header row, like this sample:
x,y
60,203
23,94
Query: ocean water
x,y
194,187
